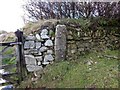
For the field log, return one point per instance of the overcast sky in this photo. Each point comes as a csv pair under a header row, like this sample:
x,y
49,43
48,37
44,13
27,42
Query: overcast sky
x,y
11,13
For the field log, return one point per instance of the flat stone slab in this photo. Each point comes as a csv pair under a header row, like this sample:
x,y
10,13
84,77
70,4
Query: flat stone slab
x,y
29,44
49,51
33,51
42,49
49,43
44,36
30,60
45,63
32,68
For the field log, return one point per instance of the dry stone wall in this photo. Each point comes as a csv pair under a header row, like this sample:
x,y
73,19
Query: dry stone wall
x,y
38,49
80,41
66,42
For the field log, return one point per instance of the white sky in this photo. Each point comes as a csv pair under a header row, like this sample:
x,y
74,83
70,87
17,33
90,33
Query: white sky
x,y
11,13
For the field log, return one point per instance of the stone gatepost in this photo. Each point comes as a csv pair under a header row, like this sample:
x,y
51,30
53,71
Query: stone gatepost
x,y
60,42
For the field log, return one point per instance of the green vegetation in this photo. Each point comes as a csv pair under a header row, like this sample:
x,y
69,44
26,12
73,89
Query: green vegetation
x,y
93,70
97,69
8,60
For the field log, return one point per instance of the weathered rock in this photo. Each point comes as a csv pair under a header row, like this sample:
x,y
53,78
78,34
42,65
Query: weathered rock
x,y
53,38
42,49
49,43
29,44
39,53
45,63
89,62
73,51
26,45
48,57
33,51
38,45
2,37
60,42
49,52
38,37
30,60
39,63
86,38
30,37
38,58
26,51
32,44
44,37
44,32
81,49
32,68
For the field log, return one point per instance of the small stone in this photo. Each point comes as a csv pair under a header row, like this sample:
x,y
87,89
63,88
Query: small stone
x,y
29,44
52,38
30,37
95,62
38,45
26,45
32,44
39,63
90,69
85,38
30,60
32,68
88,63
42,49
45,63
49,52
33,51
26,51
73,51
81,49
44,32
38,37
49,43
39,58
39,53
44,37
48,57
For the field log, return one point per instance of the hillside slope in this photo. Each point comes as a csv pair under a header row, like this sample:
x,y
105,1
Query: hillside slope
x,y
95,70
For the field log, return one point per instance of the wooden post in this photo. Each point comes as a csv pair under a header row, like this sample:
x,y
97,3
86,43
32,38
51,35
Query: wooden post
x,y
60,42
21,59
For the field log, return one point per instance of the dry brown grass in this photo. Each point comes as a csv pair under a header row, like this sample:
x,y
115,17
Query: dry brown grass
x,y
35,26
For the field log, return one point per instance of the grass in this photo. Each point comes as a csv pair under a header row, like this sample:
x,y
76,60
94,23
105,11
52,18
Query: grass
x,y
101,73
8,52
35,26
